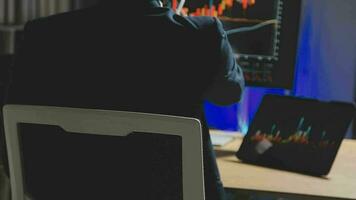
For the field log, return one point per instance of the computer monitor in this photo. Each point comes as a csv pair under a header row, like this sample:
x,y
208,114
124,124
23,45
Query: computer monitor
x,y
266,45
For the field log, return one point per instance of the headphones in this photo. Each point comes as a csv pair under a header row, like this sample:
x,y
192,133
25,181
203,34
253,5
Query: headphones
x,y
180,7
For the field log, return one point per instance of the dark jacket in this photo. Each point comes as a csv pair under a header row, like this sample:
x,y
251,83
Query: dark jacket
x,y
160,63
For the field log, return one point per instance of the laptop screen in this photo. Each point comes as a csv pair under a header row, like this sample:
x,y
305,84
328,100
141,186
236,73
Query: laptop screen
x,y
296,134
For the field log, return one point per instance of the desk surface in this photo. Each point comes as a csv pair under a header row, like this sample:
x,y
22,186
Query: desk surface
x,y
340,182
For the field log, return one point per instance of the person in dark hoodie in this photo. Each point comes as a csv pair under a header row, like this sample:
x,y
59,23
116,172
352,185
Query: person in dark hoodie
x,y
109,57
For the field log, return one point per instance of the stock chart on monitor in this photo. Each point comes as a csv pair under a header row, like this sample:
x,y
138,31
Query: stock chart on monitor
x,y
262,33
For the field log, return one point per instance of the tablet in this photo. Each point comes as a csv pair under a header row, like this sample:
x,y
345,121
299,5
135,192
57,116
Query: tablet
x,y
296,134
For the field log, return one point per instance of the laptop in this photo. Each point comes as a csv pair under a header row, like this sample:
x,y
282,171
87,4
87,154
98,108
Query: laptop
x,y
296,134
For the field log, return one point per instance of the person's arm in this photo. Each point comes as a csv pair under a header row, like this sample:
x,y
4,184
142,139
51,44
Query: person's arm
x,y
229,82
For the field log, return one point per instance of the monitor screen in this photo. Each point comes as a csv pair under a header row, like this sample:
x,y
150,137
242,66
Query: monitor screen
x,y
262,33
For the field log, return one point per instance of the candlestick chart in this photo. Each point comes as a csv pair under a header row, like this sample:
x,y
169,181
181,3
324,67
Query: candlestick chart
x,y
264,44
301,135
261,42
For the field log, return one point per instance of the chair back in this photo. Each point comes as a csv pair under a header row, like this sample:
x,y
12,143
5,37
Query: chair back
x,y
100,123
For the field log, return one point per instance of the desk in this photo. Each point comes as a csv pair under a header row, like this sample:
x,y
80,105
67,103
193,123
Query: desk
x,y
249,179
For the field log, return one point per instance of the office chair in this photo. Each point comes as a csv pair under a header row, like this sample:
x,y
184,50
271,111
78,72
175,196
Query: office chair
x,y
106,123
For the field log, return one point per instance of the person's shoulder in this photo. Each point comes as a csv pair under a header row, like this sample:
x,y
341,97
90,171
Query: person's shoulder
x,y
205,23
202,22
